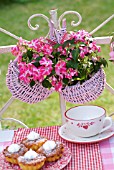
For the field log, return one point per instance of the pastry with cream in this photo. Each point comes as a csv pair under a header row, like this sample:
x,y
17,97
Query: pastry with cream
x,y
52,150
31,160
13,151
33,141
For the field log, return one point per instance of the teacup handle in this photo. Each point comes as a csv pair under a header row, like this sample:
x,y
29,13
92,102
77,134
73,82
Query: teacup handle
x,y
108,121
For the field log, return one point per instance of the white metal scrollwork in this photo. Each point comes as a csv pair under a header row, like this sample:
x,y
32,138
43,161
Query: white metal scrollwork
x,y
36,27
9,33
72,22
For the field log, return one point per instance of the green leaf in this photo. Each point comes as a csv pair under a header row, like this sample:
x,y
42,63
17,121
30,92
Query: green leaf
x,y
66,43
104,62
51,74
46,84
55,61
75,54
32,83
65,81
30,54
63,56
36,64
38,58
72,64
57,54
56,46
24,57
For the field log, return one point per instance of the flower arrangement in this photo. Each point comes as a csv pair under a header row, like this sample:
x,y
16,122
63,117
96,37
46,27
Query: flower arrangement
x,y
57,65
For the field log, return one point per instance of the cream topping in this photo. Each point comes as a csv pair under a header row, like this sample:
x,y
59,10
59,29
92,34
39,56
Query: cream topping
x,y
13,148
30,154
49,145
33,135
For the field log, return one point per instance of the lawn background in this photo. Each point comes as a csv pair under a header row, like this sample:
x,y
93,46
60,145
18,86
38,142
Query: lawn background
x,y
14,16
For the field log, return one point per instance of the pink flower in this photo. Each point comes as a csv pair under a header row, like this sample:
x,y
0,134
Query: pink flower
x,y
80,35
46,62
46,70
37,74
111,56
37,44
60,49
70,73
56,83
47,49
15,50
53,80
58,86
60,68
94,47
83,51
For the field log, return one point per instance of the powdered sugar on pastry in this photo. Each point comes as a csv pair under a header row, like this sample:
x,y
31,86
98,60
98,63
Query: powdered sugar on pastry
x,y
49,145
33,135
13,148
30,154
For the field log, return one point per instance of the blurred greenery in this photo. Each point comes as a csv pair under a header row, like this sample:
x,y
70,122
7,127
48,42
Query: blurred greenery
x,y
13,17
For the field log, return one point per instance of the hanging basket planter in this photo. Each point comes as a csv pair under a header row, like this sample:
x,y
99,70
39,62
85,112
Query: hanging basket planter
x,y
23,91
87,91
43,65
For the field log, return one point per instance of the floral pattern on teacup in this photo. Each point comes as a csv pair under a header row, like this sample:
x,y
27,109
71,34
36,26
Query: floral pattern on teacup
x,y
85,125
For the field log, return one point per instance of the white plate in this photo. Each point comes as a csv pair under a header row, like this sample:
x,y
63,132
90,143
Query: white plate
x,y
65,133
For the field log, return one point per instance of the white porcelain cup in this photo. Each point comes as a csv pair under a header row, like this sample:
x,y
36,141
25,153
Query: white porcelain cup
x,y
87,121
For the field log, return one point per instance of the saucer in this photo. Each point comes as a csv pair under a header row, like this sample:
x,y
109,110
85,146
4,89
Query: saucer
x,y
65,133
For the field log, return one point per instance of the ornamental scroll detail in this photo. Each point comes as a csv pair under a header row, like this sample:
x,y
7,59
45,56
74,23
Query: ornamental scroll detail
x,y
54,20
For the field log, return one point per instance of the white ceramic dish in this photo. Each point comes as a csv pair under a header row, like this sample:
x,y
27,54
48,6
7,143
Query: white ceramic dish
x,y
65,133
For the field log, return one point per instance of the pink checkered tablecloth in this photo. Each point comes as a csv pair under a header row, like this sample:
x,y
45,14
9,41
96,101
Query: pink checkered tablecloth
x,y
96,156
107,152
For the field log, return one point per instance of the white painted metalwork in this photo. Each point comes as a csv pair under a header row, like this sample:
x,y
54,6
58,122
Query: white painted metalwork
x,y
37,26
56,22
6,49
72,22
14,120
9,33
102,24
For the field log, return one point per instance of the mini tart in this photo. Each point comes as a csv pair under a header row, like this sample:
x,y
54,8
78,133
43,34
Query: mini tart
x,y
32,162
34,142
51,153
12,156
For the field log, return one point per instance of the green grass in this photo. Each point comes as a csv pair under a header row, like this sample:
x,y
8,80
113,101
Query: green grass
x,y
14,16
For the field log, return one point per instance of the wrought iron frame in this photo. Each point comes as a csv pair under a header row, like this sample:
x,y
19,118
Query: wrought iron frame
x,y
57,24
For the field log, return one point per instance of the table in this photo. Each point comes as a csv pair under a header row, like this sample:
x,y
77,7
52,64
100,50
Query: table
x,y
97,156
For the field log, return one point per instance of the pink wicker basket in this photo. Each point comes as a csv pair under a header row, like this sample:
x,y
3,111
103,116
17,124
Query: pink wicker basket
x,y
23,91
86,92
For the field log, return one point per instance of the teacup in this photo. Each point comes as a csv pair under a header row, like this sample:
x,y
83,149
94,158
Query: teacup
x,y
87,121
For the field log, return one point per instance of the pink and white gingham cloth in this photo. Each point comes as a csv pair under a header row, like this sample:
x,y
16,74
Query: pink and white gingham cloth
x,y
4,144
107,152
96,156
84,157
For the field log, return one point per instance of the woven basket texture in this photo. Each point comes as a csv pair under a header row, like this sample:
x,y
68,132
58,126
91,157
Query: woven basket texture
x,y
23,91
87,91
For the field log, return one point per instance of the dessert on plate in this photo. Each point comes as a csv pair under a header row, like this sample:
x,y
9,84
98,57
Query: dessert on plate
x,y
13,151
52,150
34,141
31,160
